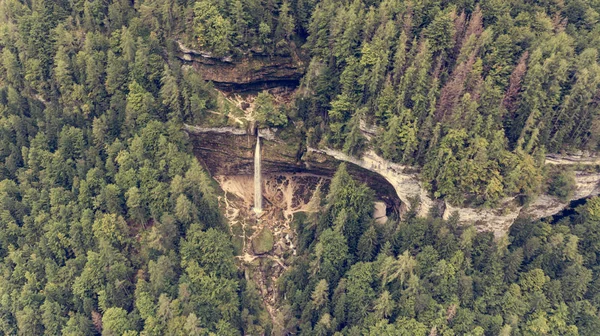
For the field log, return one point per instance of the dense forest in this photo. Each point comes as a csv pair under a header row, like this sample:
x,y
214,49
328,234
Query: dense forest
x,y
109,225
429,276
475,93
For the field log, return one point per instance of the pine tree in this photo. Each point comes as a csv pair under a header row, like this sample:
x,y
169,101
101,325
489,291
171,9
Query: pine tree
x,y
62,71
367,244
571,125
440,32
384,305
212,30
139,102
541,96
400,57
345,30
12,70
320,295
128,47
399,141
169,93
354,142
116,73
286,21
240,21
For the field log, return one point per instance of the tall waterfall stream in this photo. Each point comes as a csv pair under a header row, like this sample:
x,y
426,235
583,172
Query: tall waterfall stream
x,y
257,179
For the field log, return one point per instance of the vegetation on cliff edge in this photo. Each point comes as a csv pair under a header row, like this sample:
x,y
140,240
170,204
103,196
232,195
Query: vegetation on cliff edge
x,y
108,225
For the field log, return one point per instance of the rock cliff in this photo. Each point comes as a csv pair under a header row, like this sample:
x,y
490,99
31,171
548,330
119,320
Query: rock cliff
x,y
254,70
501,218
407,185
229,151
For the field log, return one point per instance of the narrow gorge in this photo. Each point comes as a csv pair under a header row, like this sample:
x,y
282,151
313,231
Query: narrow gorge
x,y
270,176
299,167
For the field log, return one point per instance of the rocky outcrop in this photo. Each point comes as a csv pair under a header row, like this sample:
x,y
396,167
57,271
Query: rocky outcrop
x,y
579,159
404,179
216,130
265,133
408,187
406,182
586,185
225,154
501,218
228,151
255,70
496,220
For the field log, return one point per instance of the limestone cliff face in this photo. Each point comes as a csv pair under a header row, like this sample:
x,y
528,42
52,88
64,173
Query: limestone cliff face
x,y
573,159
229,151
403,179
501,218
407,184
255,70
587,185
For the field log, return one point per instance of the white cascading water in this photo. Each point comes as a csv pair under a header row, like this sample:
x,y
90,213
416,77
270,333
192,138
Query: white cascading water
x,y
257,179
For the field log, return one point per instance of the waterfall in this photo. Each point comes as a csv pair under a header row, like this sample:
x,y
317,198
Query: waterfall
x,y
257,178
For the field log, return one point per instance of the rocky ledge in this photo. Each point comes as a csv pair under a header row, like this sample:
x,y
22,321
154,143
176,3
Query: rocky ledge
x,y
407,185
254,70
227,151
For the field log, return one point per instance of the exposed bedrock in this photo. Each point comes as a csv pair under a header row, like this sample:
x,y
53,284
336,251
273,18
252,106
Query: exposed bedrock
x,y
227,151
407,185
253,71
228,154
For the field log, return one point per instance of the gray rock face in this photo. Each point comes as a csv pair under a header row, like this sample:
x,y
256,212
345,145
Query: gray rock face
x,y
216,130
252,71
226,154
497,220
583,158
405,183
230,151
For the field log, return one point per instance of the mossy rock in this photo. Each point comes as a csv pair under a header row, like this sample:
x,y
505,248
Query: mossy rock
x,y
263,242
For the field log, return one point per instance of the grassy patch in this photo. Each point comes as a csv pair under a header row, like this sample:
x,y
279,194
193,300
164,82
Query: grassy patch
x,y
263,242
224,113
226,106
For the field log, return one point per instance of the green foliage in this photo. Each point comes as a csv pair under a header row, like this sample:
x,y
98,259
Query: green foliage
x,y
331,253
472,93
115,322
210,249
562,184
263,242
399,141
355,142
286,21
211,30
266,113
448,280
349,207
108,224
591,210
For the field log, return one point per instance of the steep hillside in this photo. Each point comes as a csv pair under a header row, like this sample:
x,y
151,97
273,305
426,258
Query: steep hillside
x,y
409,149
